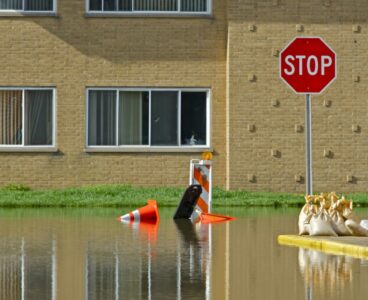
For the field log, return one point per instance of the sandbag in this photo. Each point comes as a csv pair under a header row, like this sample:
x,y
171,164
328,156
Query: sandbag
x,y
355,228
320,224
303,224
304,218
348,210
364,224
338,224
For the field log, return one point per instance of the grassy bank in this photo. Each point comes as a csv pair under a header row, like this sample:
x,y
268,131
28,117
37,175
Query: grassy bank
x,y
123,195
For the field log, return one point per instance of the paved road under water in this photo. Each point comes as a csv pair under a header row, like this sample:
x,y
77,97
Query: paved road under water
x,y
87,254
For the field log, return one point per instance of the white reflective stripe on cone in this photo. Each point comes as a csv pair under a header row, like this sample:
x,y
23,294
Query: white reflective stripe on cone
x,y
125,218
136,215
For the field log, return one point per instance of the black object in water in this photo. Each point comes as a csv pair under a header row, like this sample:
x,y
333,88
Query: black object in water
x,y
188,202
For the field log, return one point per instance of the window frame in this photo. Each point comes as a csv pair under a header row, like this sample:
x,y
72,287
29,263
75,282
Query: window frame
x,y
33,148
149,147
22,12
148,13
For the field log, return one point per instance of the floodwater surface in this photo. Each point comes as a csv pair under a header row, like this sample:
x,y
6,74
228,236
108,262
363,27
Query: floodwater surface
x,y
87,254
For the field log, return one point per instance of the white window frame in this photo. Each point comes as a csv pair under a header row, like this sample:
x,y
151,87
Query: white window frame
x,y
33,148
4,12
147,13
149,148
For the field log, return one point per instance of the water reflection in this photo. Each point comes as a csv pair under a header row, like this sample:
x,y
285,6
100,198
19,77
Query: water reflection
x,y
325,275
115,271
194,259
27,269
87,254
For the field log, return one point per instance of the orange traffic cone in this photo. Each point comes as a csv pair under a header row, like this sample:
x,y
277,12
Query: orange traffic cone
x,y
145,213
207,218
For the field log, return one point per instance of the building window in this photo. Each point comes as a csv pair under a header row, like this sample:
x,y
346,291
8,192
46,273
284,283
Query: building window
x,y
26,117
147,6
28,5
148,118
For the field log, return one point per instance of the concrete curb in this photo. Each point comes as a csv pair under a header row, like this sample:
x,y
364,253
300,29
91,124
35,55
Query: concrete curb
x,y
333,247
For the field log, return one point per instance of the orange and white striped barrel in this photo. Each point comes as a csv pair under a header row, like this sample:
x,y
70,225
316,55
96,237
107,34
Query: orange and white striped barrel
x,y
201,173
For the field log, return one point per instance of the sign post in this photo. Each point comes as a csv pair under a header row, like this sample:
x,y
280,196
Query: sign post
x,y
308,137
308,66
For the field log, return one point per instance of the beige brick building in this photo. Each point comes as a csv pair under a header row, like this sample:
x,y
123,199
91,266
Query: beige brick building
x,y
205,77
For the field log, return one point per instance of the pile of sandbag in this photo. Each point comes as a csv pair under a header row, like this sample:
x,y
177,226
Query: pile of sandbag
x,y
330,215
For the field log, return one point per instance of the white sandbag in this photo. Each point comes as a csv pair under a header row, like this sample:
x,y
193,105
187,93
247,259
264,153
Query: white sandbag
x,y
355,228
348,212
320,224
338,224
303,221
364,224
305,216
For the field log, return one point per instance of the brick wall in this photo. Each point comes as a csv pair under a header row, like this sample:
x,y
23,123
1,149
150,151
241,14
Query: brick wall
x,y
256,96
235,53
72,52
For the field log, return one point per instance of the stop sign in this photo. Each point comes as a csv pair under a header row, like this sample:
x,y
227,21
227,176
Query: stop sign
x,y
308,65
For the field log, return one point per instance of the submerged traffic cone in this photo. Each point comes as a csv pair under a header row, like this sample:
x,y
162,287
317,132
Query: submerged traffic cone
x,y
145,213
207,218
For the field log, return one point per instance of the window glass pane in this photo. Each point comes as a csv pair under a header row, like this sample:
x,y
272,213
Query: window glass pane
x,y
164,119
102,118
110,5
125,5
10,117
193,118
133,118
194,5
156,5
38,118
95,4
39,5
11,4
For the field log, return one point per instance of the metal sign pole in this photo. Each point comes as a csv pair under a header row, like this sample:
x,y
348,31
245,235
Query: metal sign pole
x,y
308,124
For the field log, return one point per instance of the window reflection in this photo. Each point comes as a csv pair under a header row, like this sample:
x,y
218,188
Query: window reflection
x,y
27,269
10,270
114,270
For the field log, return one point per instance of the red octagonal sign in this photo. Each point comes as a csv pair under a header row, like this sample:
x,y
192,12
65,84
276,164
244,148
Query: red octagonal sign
x,y
308,65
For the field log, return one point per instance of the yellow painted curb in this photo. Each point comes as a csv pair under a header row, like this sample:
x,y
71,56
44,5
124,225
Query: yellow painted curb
x,y
327,246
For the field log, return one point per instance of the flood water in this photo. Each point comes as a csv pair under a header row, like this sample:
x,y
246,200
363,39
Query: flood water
x,y
87,254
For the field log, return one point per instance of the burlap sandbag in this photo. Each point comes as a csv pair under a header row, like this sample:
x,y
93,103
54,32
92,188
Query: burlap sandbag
x,y
348,210
364,224
338,224
303,224
320,224
355,228
338,221
304,218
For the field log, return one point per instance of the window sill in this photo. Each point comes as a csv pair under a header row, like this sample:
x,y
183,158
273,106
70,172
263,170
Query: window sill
x,y
28,149
149,149
28,13
204,15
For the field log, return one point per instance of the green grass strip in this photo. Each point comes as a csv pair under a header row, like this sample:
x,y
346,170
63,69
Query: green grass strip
x,y
131,196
